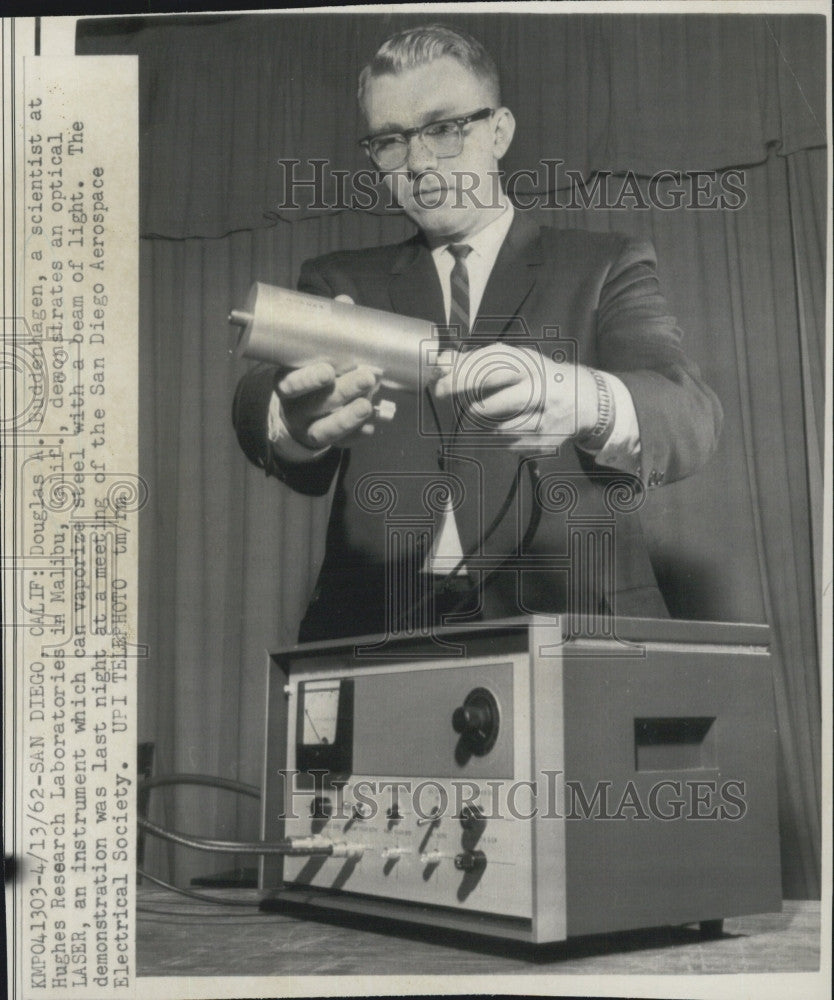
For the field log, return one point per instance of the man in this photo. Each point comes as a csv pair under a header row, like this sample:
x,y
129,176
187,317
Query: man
x,y
571,377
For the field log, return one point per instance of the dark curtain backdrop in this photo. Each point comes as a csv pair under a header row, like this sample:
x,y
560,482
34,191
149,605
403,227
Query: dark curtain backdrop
x,y
228,557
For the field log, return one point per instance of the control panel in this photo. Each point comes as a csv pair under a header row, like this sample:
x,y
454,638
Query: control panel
x,y
406,773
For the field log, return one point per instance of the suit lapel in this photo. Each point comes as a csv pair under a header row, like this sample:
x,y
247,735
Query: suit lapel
x,y
414,286
513,277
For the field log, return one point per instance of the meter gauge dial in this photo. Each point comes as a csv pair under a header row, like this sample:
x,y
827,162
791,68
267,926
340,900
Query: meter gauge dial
x,y
320,713
324,726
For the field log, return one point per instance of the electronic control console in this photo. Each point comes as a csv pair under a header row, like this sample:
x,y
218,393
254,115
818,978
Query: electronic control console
x,y
519,781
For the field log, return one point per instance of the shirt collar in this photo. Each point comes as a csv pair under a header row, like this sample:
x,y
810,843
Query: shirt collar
x,y
487,242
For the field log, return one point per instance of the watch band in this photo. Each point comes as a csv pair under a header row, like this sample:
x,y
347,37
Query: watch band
x,y
603,428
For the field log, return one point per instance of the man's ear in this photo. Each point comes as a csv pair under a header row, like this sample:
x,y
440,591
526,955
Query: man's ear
x,y
504,130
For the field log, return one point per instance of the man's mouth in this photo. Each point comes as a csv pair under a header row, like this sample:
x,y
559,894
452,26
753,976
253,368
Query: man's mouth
x,y
428,192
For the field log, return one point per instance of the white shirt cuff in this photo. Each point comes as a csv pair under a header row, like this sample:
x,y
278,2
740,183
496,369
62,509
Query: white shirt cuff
x,y
622,449
283,443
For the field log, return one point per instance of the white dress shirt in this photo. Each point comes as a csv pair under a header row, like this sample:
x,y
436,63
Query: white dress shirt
x,y
621,450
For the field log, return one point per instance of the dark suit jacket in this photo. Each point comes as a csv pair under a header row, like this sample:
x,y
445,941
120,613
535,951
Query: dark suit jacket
x,y
523,520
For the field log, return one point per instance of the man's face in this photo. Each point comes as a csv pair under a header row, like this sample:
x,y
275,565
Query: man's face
x,y
444,196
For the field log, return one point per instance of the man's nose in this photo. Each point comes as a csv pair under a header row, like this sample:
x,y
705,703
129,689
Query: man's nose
x,y
420,157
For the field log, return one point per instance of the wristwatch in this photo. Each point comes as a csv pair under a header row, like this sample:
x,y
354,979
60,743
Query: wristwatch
x,y
594,439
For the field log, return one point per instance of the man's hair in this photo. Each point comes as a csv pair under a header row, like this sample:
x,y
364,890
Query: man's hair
x,y
418,46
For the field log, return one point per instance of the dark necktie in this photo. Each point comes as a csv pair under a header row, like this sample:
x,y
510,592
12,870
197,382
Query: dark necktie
x,y
459,308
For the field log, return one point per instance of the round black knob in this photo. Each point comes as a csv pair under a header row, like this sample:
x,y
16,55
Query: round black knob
x,y
471,718
476,720
470,861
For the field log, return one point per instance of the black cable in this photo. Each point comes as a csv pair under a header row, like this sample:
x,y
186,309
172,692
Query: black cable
x,y
282,847
529,533
496,521
201,779
210,781
467,556
191,894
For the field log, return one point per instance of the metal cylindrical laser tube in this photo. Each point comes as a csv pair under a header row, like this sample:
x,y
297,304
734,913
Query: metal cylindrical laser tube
x,y
291,329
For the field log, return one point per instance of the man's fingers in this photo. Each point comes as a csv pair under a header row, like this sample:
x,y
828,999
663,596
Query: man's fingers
x,y
355,383
339,424
310,378
320,377
511,404
477,374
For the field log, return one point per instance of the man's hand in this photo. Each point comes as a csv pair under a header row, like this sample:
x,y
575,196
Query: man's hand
x,y
522,397
321,408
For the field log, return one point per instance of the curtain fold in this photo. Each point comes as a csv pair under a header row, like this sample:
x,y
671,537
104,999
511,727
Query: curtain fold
x,y
228,558
807,201
768,336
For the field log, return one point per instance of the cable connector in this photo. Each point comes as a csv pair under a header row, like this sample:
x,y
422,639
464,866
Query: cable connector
x,y
350,851
318,844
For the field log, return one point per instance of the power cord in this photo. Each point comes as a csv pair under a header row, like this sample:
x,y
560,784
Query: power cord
x,y
532,526
288,848
206,844
201,779
190,893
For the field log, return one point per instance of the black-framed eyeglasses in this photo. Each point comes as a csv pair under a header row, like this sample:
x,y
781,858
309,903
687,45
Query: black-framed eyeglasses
x,y
389,150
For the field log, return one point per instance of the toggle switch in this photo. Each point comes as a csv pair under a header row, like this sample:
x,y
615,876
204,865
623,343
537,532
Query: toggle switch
x,y
321,807
432,819
394,852
472,818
